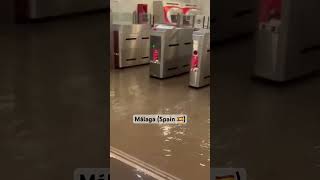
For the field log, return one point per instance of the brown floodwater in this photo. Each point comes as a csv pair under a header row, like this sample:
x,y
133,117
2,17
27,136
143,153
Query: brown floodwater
x,y
181,150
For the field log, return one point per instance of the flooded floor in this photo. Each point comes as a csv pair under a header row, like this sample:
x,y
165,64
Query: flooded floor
x,y
180,150
121,170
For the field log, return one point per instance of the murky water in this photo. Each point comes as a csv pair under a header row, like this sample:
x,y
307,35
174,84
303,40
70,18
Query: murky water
x,y
181,150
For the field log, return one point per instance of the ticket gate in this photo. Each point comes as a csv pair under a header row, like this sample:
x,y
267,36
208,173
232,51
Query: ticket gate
x,y
201,22
171,49
166,12
200,61
131,44
288,40
190,9
170,12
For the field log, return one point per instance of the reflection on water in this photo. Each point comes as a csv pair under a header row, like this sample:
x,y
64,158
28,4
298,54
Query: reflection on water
x,y
180,150
166,129
170,133
140,173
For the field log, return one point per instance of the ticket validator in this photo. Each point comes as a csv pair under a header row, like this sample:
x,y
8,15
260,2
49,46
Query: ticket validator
x,y
287,40
170,51
200,61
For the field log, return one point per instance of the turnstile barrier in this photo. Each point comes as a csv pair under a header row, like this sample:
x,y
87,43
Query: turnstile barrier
x,y
200,61
131,44
170,51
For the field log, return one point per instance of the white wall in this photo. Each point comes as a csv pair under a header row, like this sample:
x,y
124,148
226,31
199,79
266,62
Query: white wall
x,y
205,7
128,6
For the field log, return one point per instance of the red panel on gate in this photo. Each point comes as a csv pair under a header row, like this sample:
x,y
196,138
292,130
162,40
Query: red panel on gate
x,y
142,9
155,55
185,10
195,60
166,10
270,9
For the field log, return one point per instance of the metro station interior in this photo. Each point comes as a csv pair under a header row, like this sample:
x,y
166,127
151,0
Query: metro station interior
x,y
152,72
261,62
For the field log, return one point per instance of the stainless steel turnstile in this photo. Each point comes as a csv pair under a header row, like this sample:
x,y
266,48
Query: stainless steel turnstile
x,y
131,44
200,61
170,51
268,63
288,40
